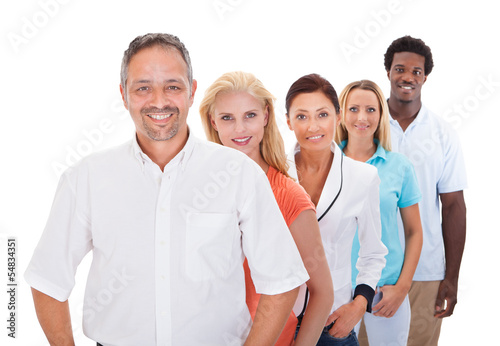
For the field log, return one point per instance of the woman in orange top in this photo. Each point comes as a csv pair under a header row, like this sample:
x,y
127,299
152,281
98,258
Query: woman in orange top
x,y
238,112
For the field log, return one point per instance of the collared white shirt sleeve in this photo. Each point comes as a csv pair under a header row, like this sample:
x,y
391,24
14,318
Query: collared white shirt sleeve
x,y
65,240
268,278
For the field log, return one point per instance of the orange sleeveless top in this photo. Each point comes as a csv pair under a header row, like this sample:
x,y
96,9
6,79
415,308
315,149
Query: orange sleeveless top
x,y
292,200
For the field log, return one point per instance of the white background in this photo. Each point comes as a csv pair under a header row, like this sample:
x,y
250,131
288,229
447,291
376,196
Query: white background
x,y
59,69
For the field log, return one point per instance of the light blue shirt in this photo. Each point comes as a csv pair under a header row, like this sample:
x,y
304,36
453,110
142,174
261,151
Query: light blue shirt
x,y
398,189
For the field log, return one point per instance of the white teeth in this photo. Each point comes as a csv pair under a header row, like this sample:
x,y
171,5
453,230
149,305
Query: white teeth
x,y
316,137
406,87
159,117
241,140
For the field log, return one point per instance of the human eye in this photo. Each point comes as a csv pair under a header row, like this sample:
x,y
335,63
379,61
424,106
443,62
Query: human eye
x,y
417,72
372,109
226,117
323,115
251,115
353,109
173,88
143,88
300,116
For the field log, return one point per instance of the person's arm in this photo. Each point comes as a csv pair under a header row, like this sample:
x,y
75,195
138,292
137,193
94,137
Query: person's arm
x,y
370,262
393,295
270,318
54,319
453,212
305,232
347,316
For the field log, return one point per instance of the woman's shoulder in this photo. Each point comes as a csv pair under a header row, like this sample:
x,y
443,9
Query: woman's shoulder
x,y
286,190
281,182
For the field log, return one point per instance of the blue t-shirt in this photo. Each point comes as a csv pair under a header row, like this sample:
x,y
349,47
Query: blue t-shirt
x,y
398,189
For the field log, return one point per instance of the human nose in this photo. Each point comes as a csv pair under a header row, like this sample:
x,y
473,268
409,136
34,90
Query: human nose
x,y
408,77
313,125
239,126
362,115
158,99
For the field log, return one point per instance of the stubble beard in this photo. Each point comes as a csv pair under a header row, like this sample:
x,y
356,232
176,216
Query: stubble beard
x,y
161,133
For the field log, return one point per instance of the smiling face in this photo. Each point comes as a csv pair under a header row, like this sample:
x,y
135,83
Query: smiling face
x,y
158,94
313,119
239,118
362,113
407,76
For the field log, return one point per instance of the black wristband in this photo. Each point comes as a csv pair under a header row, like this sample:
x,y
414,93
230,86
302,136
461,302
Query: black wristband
x,y
367,292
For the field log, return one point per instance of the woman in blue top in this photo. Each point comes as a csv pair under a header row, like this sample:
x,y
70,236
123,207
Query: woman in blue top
x,y
364,135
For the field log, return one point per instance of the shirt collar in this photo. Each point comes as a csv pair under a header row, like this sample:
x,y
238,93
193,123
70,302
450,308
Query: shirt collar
x,y
421,118
380,152
180,159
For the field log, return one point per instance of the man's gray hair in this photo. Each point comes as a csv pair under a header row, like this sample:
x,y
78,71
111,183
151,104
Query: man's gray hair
x,y
166,41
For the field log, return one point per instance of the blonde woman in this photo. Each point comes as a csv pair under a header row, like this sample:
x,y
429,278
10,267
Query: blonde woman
x,y
364,135
238,112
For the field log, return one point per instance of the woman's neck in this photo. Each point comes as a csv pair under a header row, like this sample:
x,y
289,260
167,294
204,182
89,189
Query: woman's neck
x,y
316,160
360,149
257,157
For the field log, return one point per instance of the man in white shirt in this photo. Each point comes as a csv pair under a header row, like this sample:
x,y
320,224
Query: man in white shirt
x,y
434,149
169,219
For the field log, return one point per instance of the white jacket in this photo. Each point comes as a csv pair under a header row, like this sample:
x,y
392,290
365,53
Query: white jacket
x,y
357,206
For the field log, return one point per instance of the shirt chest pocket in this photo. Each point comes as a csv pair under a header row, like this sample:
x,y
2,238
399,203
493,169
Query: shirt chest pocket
x,y
211,239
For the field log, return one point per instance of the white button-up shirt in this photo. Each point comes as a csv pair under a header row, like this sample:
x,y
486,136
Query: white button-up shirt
x,y
433,148
168,247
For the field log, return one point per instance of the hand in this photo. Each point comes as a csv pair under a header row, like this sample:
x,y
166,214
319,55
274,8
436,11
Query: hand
x,y
392,297
346,317
446,298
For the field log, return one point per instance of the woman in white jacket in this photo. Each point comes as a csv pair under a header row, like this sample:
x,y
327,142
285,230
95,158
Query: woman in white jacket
x,y
346,195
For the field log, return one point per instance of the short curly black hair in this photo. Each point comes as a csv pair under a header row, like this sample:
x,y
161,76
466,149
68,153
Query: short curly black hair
x,y
409,44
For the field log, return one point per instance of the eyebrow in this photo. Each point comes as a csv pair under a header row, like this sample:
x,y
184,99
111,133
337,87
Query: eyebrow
x,y
355,104
230,113
317,110
146,81
415,67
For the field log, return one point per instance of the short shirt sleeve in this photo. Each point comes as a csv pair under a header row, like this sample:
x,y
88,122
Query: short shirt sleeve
x,y
66,239
273,258
453,177
410,191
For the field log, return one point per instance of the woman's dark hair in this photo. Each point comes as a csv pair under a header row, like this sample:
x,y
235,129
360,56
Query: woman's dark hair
x,y
309,84
409,44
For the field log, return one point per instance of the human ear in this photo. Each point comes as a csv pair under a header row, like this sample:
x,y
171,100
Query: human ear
x,y
124,97
212,122
266,115
288,122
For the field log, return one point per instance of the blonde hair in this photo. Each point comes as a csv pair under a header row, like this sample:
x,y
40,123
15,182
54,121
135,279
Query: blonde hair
x,y
383,132
272,148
